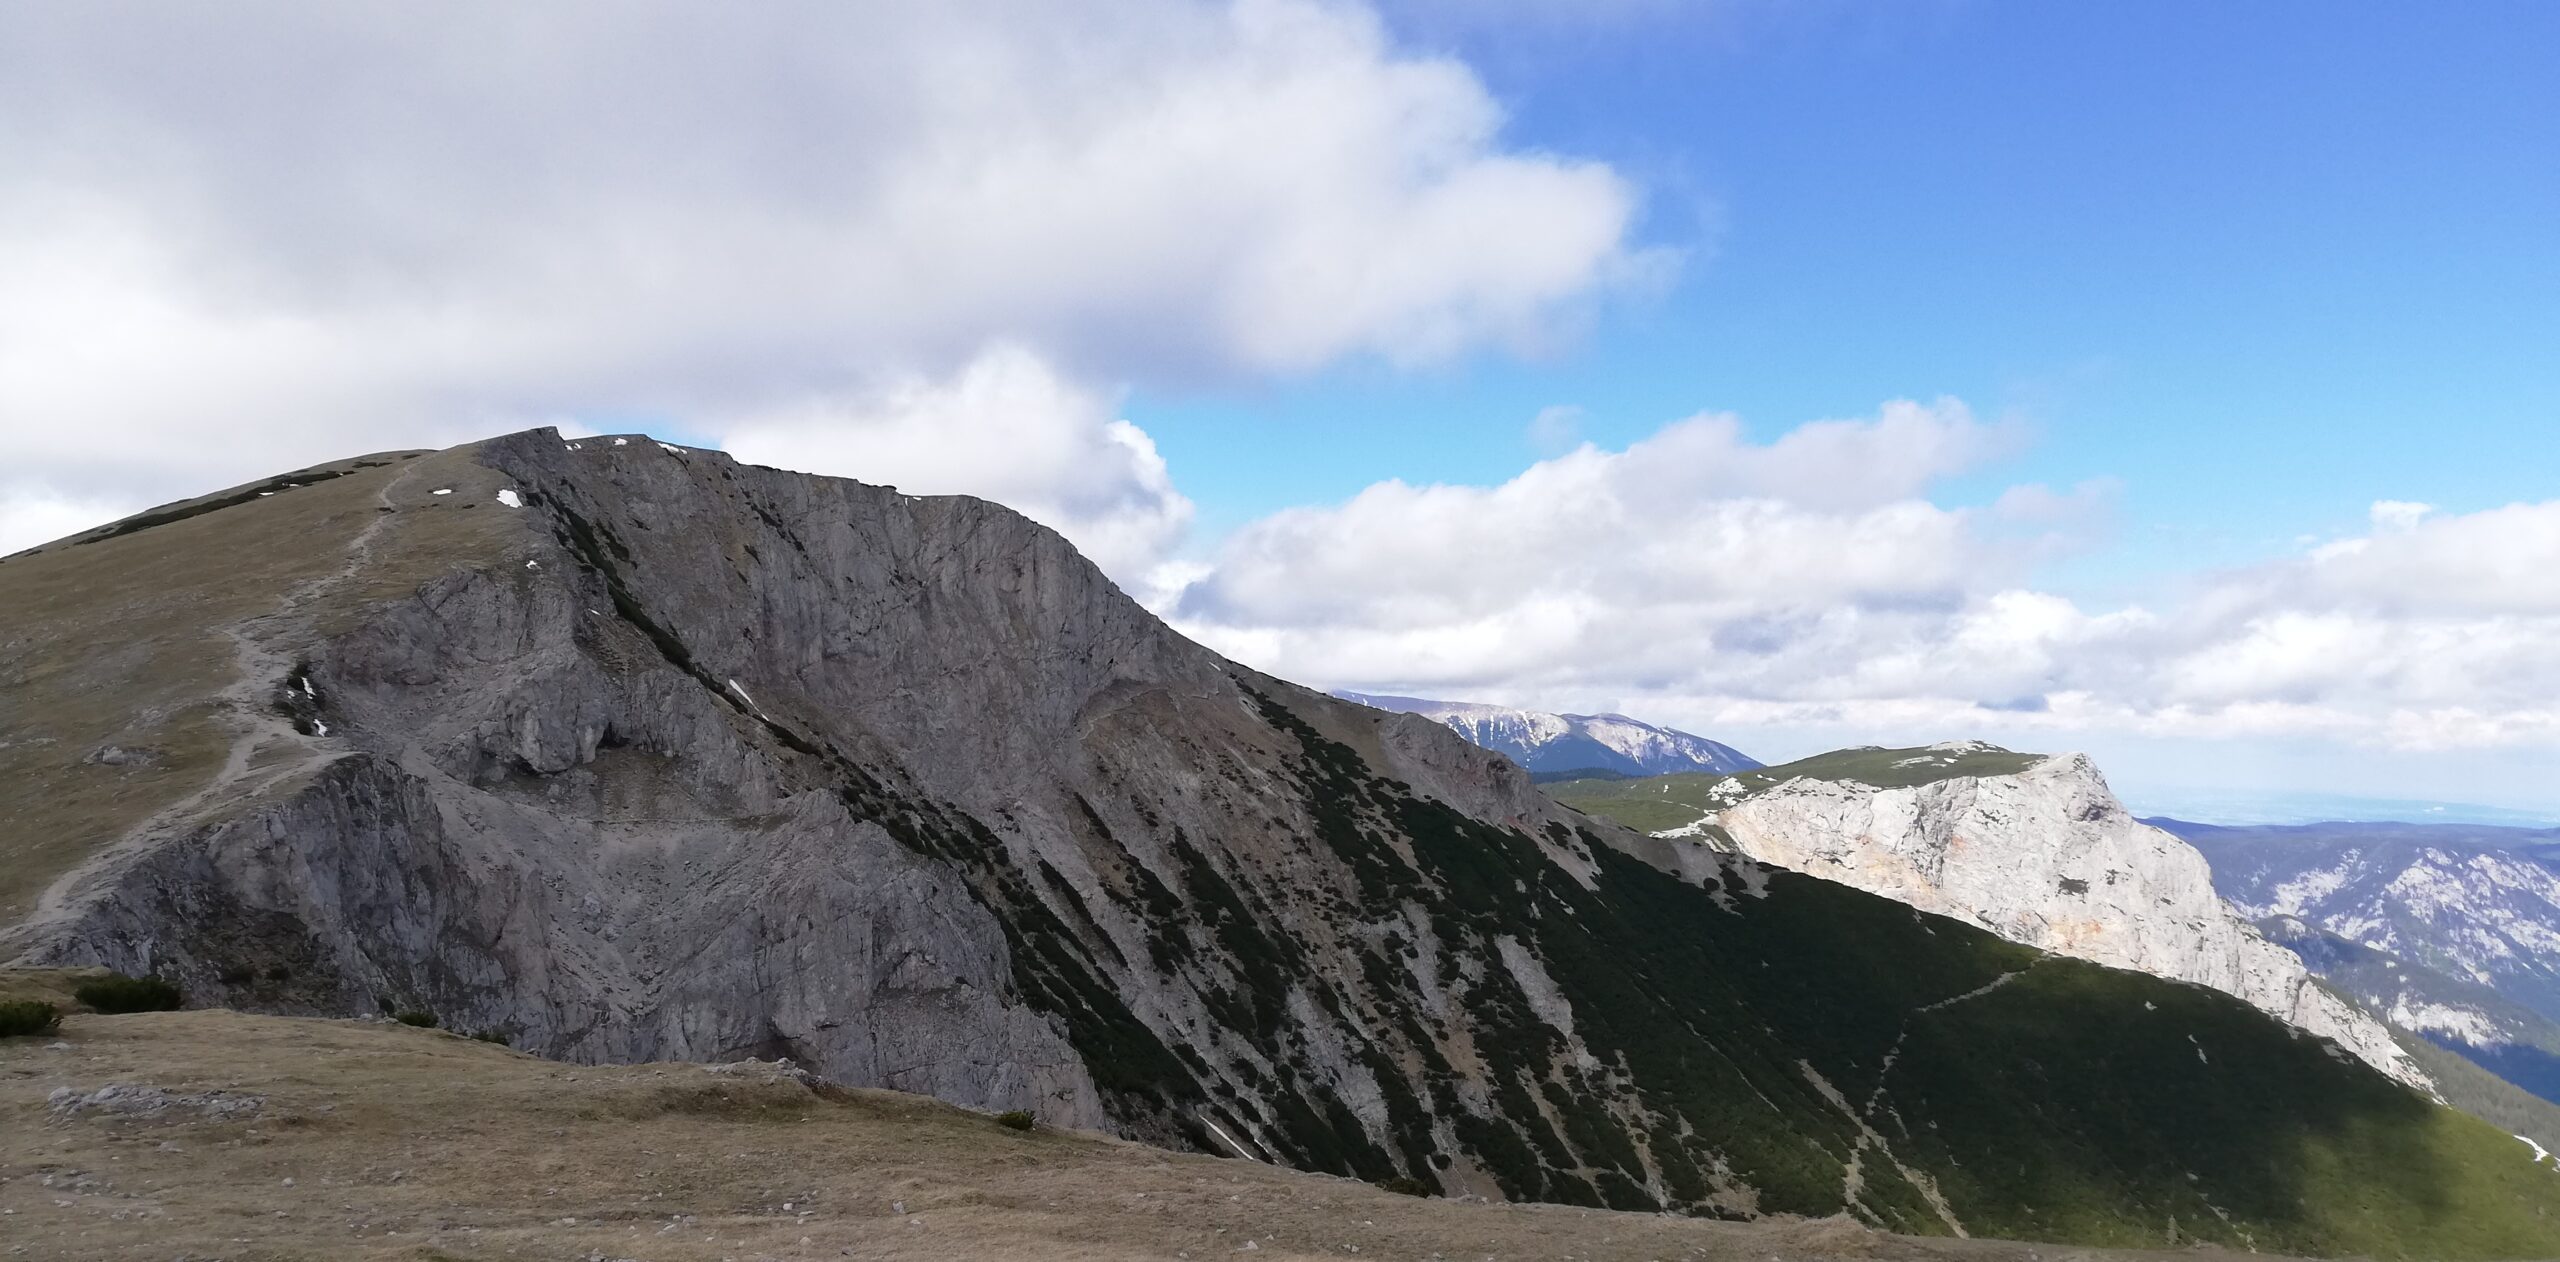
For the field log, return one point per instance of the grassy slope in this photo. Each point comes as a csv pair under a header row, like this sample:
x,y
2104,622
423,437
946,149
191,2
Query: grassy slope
x,y
116,637
1659,803
379,1143
2484,1095
2060,1100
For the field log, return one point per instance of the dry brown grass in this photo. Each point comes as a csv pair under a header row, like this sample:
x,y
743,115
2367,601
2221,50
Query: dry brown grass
x,y
377,1141
128,640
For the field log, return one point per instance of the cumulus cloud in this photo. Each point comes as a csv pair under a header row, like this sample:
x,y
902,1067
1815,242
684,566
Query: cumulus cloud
x,y
1693,556
237,240
1811,583
1007,427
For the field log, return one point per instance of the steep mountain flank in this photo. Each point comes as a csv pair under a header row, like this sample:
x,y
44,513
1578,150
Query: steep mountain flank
x,y
2449,931
2463,1016
627,752
2034,849
1540,741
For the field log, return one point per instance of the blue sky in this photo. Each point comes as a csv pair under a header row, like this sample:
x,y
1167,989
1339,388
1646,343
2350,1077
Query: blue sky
x,y
2261,264
2176,382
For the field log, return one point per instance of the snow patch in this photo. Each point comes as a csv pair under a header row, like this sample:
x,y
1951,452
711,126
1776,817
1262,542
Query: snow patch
x,y
751,702
510,498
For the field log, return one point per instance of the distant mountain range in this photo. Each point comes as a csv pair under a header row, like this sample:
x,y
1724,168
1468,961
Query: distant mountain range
x,y
1543,742
2449,931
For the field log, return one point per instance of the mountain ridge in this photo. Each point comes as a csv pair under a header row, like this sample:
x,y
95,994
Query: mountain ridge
x,y
1542,741
623,750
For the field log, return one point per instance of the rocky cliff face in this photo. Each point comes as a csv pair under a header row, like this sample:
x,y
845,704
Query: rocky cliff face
x,y
2049,858
627,751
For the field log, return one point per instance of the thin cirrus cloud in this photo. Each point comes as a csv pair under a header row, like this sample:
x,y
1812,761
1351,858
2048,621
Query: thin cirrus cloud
x,y
233,240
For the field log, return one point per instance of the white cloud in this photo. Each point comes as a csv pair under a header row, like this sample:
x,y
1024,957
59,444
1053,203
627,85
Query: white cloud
x,y
2399,516
1008,427
1556,428
238,240
1810,584
2501,560
1693,557
32,516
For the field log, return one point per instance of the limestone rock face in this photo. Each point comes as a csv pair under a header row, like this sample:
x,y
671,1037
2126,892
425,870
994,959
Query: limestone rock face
x,y
2049,858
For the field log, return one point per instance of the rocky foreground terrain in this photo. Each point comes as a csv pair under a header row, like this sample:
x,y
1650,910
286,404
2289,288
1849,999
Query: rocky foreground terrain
x,y
622,752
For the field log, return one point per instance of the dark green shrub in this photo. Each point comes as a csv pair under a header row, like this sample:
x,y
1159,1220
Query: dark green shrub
x,y
1015,1120
1406,1185
490,1036
28,1016
116,992
423,1020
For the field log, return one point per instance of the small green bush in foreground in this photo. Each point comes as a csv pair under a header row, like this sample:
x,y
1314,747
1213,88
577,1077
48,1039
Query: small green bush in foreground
x,y
28,1016
116,992
423,1020
1015,1120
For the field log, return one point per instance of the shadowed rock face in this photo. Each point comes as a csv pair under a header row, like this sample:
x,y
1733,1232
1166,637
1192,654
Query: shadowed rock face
x,y
695,760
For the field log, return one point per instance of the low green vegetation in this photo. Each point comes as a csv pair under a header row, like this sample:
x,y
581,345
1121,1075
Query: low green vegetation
x,y
1656,804
412,1016
116,992
1774,1032
24,1017
2467,1086
1016,1120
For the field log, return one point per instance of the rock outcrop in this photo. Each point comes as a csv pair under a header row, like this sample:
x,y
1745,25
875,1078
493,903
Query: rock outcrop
x,y
2048,857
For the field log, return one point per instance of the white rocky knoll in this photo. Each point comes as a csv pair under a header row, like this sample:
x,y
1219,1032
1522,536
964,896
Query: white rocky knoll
x,y
2048,858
